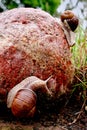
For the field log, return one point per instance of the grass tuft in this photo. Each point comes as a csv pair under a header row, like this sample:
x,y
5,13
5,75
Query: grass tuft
x,y
79,54
79,51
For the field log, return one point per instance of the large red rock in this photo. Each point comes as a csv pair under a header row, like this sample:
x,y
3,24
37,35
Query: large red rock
x,y
32,42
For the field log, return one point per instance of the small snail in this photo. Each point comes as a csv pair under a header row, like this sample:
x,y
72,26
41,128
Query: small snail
x,y
71,19
22,98
69,23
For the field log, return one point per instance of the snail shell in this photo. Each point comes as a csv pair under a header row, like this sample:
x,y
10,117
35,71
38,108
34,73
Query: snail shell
x,y
24,103
71,19
15,89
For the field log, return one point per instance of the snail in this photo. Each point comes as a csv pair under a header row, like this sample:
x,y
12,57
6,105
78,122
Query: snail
x,y
71,19
22,98
69,22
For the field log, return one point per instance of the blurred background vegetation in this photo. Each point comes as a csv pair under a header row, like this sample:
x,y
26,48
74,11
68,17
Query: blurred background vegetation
x,y
47,5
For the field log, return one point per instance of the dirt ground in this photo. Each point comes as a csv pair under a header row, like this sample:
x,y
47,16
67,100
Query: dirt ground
x,y
53,115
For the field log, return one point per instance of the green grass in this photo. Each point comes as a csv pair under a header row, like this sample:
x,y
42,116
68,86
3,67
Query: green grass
x,y
79,51
79,54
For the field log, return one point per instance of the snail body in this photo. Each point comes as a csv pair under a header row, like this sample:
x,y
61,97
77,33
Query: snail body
x,y
22,98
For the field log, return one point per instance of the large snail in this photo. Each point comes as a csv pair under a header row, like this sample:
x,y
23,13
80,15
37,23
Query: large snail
x,y
33,43
22,98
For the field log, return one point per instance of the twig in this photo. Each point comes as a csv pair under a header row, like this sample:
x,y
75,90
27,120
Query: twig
x,y
81,81
75,120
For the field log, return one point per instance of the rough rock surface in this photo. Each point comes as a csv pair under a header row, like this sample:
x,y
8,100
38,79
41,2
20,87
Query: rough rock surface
x,y
33,43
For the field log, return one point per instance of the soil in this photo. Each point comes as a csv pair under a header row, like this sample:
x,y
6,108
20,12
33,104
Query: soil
x,y
53,115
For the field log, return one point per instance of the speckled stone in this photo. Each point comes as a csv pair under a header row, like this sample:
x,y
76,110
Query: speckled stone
x,y
32,42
